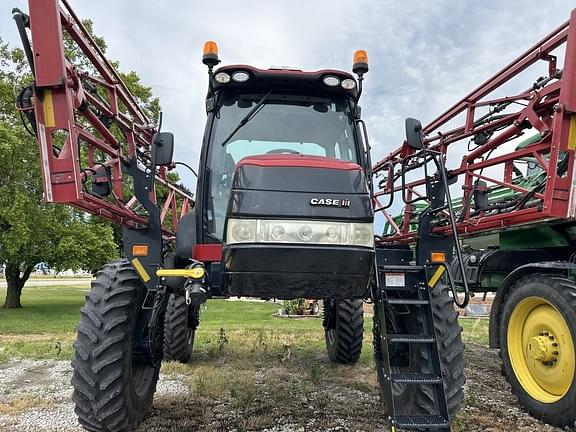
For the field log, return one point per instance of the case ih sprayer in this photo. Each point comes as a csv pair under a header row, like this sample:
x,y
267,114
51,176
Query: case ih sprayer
x,y
284,208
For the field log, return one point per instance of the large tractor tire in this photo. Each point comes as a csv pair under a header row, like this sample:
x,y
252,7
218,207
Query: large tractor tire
x,y
112,391
343,329
537,340
419,399
180,324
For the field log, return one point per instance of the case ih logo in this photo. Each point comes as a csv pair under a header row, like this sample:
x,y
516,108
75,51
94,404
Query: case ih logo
x,y
330,202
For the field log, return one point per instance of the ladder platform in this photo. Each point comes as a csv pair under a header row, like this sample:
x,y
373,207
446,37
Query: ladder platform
x,y
415,378
401,268
392,301
421,421
410,338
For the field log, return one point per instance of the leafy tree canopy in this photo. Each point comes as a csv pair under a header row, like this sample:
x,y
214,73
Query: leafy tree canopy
x,y
32,231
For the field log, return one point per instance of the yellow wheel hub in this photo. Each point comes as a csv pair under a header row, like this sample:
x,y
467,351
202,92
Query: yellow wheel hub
x,y
541,349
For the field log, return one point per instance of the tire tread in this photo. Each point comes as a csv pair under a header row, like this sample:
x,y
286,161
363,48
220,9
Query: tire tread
x,y
349,331
101,386
176,344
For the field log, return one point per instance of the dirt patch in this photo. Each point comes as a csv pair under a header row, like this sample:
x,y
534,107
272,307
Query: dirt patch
x,y
224,393
38,337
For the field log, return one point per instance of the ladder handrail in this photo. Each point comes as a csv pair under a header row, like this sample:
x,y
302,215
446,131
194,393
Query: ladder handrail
x,y
455,235
438,160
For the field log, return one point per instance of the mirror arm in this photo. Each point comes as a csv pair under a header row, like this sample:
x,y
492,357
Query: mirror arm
x,y
151,170
156,142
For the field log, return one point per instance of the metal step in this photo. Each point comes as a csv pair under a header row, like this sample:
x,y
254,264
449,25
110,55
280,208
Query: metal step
x,y
400,268
421,421
410,338
406,301
403,288
415,378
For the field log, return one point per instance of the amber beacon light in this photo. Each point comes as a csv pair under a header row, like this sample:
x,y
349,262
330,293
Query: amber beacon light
x,y
360,66
210,54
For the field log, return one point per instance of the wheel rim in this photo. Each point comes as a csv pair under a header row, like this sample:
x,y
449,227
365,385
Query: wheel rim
x,y
541,349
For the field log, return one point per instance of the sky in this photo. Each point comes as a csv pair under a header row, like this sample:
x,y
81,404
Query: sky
x,y
424,55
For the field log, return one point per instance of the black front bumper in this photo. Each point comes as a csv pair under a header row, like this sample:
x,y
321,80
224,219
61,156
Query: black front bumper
x,y
293,271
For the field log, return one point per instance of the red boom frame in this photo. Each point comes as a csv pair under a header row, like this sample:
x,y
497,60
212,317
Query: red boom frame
x,y
67,103
549,108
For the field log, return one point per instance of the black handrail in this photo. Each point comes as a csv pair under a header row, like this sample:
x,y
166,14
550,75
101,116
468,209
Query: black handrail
x,y
405,168
390,179
434,155
444,178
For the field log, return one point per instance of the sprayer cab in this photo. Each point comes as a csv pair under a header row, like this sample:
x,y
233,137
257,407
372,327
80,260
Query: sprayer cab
x,y
285,182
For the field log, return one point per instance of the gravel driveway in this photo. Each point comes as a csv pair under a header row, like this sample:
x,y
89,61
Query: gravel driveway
x,y
35,397
40,394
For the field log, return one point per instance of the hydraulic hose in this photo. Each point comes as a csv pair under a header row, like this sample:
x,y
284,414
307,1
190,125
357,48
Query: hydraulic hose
x,y
22,21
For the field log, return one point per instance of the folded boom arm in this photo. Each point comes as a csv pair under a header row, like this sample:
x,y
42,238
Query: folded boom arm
x,y
491,125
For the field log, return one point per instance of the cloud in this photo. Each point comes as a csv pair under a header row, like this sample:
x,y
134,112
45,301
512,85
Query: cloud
x,y
424,56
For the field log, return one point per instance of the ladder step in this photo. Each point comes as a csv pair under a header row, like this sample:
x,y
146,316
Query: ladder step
x,y
400,268
410,338
406,301
408,289
422,421
415,378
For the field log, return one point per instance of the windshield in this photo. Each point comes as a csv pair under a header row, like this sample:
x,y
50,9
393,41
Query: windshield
x,y
284,124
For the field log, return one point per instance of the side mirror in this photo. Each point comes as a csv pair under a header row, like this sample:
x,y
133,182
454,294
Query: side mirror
x,y
163,148
414,134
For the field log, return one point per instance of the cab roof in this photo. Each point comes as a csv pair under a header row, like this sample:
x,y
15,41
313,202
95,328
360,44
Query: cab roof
x,y
285,79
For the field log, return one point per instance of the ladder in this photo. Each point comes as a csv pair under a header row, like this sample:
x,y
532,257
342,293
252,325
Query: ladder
x,y
406,286
403,309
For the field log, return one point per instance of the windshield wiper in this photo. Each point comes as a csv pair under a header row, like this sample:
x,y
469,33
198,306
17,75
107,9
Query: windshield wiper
x,y
248,117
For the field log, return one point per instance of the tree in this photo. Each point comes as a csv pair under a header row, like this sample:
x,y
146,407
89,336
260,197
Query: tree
x,y
32,231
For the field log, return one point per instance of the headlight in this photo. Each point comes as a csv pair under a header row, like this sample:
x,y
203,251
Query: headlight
x,y
348,84
222,77
299,232
331,80
277,233
241,231
362,234
240,76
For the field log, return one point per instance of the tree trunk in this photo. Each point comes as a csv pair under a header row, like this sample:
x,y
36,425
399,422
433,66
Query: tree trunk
x,y
15,283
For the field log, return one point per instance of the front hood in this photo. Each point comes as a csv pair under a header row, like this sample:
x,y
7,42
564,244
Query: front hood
x,y
298,186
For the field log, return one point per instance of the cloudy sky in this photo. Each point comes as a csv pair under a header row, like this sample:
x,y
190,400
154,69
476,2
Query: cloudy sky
x,y
424,55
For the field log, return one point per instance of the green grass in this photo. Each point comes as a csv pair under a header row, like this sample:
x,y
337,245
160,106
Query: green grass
x,y
475,330
47,309
45,328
